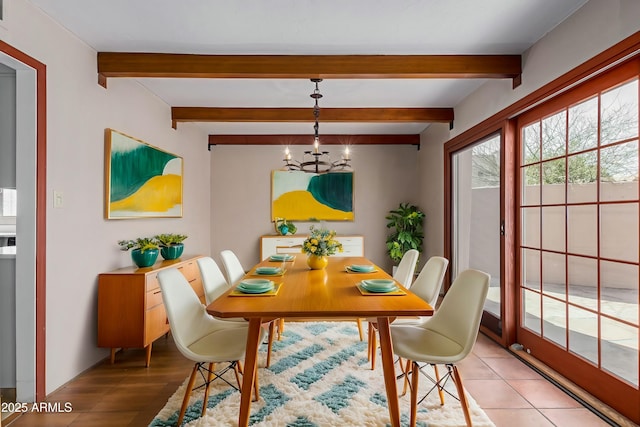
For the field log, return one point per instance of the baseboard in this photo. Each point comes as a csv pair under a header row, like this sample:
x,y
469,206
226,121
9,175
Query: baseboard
x,y
595,405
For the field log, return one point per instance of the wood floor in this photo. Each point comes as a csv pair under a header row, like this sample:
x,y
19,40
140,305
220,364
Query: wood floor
x,y
123,394
128,394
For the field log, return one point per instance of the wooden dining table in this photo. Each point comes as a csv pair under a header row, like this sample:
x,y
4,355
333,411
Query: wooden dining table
x,y
326,294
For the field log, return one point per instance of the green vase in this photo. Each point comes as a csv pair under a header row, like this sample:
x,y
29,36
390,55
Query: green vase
x,y
144,259
172,252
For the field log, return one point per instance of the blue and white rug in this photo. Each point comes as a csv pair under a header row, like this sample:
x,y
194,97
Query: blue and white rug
x,y
319,376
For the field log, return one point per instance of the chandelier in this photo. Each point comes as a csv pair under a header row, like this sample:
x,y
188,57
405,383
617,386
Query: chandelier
x,y
316,161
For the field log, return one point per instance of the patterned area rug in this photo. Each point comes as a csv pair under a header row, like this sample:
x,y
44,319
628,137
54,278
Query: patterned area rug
x,y
319,376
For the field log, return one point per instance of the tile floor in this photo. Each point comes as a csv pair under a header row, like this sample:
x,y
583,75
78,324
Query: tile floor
x,y
512,394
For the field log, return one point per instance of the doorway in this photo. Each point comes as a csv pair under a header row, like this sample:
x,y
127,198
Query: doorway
x,y
30,223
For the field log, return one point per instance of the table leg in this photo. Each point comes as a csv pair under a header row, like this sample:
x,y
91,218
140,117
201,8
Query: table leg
x,y
250,365
389,370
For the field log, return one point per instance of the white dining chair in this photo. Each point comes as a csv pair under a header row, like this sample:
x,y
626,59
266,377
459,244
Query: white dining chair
x,y
446,338
407,268
215,284
200,337
404,275
232,266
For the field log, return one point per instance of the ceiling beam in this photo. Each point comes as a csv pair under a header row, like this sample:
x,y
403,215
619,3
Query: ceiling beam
x,y
327,115
169,65
283,140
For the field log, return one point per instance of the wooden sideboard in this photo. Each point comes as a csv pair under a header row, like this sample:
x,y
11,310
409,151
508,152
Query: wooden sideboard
x,y
270,245
131,313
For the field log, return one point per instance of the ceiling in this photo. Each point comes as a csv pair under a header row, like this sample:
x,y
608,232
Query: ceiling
x,y
334,34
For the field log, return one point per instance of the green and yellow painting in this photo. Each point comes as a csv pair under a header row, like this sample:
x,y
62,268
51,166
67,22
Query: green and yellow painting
x,y
302,196
142,180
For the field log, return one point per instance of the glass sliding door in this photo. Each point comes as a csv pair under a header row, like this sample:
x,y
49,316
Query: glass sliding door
x,y
579,215
476,219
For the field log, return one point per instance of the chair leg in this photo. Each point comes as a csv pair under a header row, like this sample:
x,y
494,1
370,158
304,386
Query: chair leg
x,y
280,328
369,333
415,374
359,321
461,394
374,349
205,399
256,393
407,370
237,370
272,327
440,392
187,393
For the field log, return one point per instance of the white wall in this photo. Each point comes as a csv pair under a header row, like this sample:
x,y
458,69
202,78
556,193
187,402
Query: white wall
x,y
598,25
80,242
384,176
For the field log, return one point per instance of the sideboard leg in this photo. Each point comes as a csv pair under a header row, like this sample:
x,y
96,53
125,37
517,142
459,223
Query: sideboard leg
x,y
148,355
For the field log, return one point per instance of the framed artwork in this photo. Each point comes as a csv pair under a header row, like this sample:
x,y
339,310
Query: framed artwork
x,y
303,196
141,181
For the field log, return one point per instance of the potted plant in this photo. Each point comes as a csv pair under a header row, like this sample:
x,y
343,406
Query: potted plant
x,y
406,223
319,245
171,246
283,227
144,250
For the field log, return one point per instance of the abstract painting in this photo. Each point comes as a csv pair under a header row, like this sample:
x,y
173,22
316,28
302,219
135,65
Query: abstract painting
x,y
302,196
141,181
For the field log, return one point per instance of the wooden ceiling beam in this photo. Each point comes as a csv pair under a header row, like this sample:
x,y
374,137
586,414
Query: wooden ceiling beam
x,y
327,115
283,140
168,65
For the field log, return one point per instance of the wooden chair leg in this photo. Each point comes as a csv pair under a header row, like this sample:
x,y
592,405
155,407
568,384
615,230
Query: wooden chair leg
x,y
256,393
272,327
205,399
461,394
415,374
280,328
187,393
359,321
237,370
374,349
369,333
440,392
407,370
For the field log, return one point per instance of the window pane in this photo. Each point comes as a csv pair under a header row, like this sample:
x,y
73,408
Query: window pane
x,y
583,282
620,349
553,275
531,269
583,126
553,179
619,111
582,177
554,318
554,130
531,227
531,311
553,231
579,219
619,231
531,144
619,290
583,333
531,180
619,172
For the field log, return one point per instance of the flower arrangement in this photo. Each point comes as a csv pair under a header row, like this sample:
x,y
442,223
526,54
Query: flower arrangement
x,y
321,242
